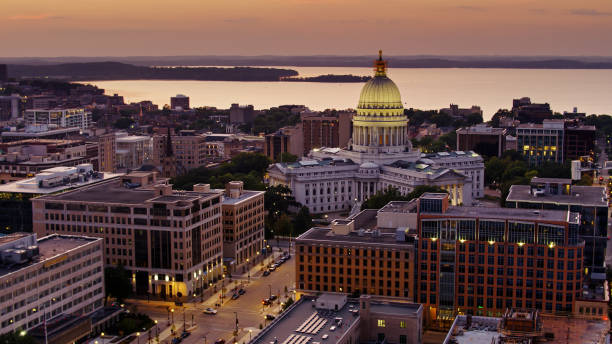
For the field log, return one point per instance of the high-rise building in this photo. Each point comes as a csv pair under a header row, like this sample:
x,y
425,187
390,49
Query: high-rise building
x,y
3,73
241,114
107,152
171,241
285,140
179,102
590,201
45,278
482,139
243,227
482,261
326,130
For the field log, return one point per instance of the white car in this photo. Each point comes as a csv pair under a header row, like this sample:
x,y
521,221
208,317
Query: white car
x,y
325,336
333,328
211,311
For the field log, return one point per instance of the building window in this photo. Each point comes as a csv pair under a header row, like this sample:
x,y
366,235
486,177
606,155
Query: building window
x,y
381,322
402,324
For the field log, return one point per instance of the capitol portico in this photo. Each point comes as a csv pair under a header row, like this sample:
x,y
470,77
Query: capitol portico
x,y
379,156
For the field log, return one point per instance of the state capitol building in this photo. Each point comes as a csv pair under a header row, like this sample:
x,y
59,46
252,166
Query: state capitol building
x,y
379,156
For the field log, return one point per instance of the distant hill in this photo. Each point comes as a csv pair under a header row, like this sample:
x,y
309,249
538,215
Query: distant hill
x,y
123,71
420,61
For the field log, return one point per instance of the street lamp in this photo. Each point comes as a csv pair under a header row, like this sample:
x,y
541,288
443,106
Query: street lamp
x,y
102,337
172,311
138,337
250,335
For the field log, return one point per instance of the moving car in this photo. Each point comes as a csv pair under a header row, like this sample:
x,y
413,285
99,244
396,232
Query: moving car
x,y
185,334
270,317
211,311
266,302
241,291
273,297
235,296
266,273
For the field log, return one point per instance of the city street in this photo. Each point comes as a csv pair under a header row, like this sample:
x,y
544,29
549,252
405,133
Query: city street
x,y
247,308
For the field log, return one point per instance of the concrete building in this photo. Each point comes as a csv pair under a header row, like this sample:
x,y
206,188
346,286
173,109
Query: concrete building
x,y
579,140
527,112
467,163
482,261
460,113
23,159
360,255
11,107
243,227
482,139
326,130
16,214
42,279
559,194
540,143
379,156
241,114
171,241
132,151
107,152
65,118
334,319
285,140
179,102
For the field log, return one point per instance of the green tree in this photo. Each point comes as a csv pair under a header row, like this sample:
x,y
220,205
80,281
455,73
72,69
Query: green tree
x,y
288,157
123,123
17,337
302,221
117,281
283,226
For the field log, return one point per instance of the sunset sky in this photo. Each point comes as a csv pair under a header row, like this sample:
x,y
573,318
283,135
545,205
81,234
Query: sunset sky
x,y
306,27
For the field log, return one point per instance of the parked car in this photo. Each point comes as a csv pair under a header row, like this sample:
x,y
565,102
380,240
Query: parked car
x,y
266,302
211,311
325,336
270,317
176,340
241,291
185,334
272,268
266,272
220,341
273,297
235,296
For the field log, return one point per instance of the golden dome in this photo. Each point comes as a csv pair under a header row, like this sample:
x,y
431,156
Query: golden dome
x,y
380,92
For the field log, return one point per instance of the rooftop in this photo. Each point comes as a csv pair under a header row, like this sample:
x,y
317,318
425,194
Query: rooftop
x,y
594,196
33,186
481,129
400,207
482,330
510,213
395,308
246,195
368,237
551,180
303,323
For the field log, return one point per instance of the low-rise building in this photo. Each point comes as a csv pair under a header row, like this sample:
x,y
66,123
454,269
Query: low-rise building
x,y
65,118
42,279
285,140
482,139
170,240
325,130
334,319
132,151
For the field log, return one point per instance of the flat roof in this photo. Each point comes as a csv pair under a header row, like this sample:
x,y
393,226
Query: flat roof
x,y
368,238
30,185
49,247
246,195
507,213
483,330
312,323
113,192
400,207
396,308
594,196
551,180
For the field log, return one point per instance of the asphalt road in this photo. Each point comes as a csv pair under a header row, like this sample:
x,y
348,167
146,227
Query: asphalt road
x,y
247,308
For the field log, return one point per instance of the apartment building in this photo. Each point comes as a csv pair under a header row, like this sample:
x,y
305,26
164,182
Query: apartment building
x,y
481,261
107,152
41,279
170,240
65,118
348,259
243,227
326,130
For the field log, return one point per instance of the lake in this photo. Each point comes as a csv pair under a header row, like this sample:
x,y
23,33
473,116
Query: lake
x,y
429,88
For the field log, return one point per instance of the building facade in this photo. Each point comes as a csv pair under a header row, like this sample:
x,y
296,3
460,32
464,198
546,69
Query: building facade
x,y
107,152
482,139
540,143
285,140
132,151
326,130
171,241
179,102
65,118
483,260
243,227
44,278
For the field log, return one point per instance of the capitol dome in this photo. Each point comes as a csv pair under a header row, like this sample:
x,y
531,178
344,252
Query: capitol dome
x,y
380,92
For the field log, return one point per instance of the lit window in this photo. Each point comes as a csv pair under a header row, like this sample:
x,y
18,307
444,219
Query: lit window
x,y
402,324
381,322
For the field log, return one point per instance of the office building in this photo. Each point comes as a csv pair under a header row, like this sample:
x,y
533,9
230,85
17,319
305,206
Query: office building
x,y
241,114
482,261
23,159
132,150
379,156
540,143
482,139
243,227
591,202
326,130
579,140
65,118
334,319
285,140
11,107
527,112
42,279
171,241
361,255
461,113
107,152
16,214
179,102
